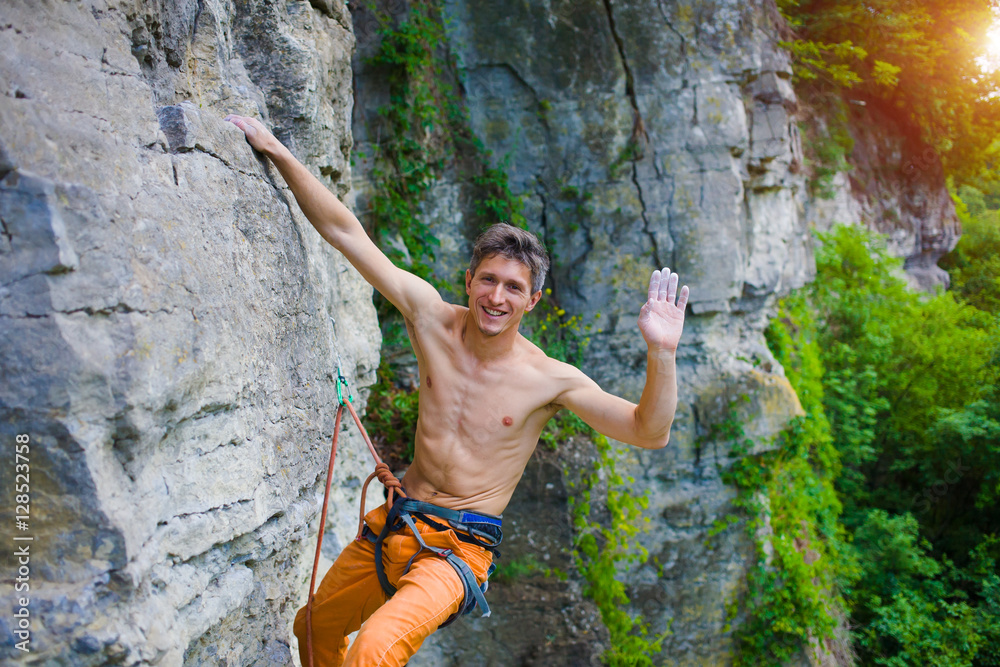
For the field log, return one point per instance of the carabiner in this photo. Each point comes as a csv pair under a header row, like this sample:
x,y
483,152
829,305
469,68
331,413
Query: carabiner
x,y
341,385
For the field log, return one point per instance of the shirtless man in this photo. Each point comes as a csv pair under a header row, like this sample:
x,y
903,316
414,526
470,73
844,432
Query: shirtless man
x,y
486,392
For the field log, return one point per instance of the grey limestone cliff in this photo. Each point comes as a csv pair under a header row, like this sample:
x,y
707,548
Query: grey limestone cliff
x,y
167,317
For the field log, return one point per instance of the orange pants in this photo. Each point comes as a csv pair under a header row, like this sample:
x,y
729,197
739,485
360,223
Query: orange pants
x,y
350,597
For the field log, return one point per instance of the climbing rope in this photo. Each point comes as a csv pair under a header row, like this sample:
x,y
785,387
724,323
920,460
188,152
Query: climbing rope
x,y
382,471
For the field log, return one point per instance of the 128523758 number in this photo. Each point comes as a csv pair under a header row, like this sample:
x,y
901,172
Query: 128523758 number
x,y
22,479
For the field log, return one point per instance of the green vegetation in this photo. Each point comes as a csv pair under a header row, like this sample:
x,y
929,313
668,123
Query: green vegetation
x,y
424,130
915,60
791,510
391,418
883,497
510,570
974,265
828,149
416,144
563,336
895,469
604,548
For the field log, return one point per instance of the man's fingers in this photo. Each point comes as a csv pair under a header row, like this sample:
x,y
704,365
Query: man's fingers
x,y
245,124
683,300
663,287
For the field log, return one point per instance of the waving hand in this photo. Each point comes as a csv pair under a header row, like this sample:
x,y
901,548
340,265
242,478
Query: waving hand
x,y
661,320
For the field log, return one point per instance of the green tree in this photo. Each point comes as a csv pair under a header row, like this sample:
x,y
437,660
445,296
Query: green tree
x,y
974,264
909,390
916,59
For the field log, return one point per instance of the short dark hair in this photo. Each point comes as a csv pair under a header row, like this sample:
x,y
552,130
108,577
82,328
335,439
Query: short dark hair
x,y
516,244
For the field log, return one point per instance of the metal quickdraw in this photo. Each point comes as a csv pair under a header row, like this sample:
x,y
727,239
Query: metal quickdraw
x,y
341,386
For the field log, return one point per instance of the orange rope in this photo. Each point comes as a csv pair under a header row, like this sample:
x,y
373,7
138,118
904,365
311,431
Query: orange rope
x,y
384,475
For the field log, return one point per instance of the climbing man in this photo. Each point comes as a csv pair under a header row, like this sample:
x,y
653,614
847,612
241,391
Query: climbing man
x,y
486,392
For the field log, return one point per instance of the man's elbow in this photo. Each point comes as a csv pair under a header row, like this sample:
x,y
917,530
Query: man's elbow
x,y
658,441
331,234
650,436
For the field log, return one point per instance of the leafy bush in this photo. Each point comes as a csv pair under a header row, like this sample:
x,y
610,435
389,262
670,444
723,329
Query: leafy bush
x,y
974,264
908,388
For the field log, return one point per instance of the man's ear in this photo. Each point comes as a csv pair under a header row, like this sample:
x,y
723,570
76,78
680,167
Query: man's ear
x,y
533,301
468,282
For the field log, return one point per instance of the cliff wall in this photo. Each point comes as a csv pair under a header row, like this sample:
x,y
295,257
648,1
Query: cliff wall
x,y
167,317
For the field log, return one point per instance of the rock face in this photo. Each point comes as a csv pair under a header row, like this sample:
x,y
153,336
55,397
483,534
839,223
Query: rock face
x,y
896,187
167,316
898,183
640,135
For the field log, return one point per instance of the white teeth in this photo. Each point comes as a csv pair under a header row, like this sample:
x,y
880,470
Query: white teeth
x,y
494,313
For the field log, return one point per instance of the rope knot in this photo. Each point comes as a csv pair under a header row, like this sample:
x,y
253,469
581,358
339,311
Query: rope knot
x,y
386,477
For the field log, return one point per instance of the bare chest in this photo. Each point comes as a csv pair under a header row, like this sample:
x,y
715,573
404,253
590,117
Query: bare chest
x,y
481,406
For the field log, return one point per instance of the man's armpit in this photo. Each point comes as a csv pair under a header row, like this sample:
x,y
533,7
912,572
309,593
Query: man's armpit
x,y
417,321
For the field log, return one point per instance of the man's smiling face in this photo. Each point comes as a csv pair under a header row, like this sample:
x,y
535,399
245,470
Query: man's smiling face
x,y
499,294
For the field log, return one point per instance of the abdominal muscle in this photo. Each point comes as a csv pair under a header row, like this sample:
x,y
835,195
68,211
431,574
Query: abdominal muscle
x,y
465,475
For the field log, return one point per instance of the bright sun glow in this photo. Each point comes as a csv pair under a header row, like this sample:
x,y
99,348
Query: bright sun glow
x,y
993,44
990,60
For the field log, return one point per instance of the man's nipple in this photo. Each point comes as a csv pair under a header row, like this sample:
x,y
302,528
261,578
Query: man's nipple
x,y
507,421
429,383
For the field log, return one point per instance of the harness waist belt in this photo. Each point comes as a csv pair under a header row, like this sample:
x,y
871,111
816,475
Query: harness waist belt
x,y
483,530
458,516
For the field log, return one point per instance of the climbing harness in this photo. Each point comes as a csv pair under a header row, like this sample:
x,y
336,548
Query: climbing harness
x,y
483,530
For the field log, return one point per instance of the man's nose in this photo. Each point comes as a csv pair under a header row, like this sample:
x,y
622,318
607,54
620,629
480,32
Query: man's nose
x,y
496,295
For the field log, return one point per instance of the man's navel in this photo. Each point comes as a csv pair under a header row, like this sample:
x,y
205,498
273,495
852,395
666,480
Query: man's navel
x,y
429,383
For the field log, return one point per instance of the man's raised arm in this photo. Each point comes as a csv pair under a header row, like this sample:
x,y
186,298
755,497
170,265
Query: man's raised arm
x,y
648,424
339,226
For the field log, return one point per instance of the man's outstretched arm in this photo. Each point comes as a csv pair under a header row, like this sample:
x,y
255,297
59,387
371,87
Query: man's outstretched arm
x,y
339,226
646,425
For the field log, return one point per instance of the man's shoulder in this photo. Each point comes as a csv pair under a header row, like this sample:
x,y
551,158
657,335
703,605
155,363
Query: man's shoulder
x,y
535,357
530,352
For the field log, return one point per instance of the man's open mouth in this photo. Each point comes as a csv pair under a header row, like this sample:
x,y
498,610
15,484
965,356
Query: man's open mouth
x,y
492,312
